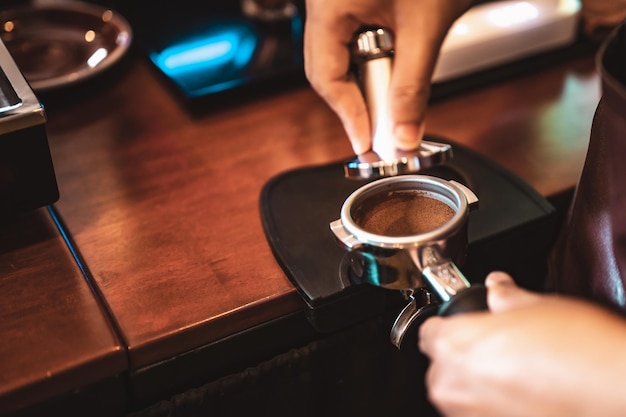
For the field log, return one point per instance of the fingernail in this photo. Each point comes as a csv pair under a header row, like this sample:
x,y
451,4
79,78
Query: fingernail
x,y
408,135
358,148
498,278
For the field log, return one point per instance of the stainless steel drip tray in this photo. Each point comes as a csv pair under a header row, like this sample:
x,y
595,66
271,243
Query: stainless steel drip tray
x,y
297,207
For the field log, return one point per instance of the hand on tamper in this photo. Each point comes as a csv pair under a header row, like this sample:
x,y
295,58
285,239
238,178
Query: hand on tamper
x,y
372,54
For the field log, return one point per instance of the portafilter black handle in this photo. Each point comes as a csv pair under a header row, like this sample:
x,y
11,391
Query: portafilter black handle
x,y
473,298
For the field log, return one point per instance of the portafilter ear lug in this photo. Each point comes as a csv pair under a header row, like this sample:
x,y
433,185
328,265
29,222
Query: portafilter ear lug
x,y
472,199
345,237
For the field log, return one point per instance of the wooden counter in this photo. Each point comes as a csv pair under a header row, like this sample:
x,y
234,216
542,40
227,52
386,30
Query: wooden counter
x,y
163,207
55,337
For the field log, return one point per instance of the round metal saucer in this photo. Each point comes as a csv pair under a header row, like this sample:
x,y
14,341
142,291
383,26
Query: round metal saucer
x,y
57,43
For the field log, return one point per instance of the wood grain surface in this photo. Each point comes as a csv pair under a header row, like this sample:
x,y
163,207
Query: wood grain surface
x,y
162,204
54,335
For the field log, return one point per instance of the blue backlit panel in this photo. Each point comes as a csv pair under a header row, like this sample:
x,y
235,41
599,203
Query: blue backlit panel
x,y
211,61
209,49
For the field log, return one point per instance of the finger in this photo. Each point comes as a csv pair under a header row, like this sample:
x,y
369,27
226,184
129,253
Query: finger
x,y
327,63
414,62
504,295
427,334
346,100
409,90
420,30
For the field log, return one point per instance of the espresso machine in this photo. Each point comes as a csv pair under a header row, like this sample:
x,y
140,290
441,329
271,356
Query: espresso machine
x,y
27,177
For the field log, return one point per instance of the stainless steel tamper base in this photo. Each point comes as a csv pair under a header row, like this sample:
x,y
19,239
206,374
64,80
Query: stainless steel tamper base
x,y
370,165
373,51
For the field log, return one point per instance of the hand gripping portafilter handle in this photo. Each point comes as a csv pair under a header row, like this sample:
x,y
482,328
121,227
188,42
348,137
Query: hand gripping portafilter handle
x,y
452,288
405,328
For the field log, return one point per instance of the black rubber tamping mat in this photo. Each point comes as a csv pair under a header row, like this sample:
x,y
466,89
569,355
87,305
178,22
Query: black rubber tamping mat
x,y
512,230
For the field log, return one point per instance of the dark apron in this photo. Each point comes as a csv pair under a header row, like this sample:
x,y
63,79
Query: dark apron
x,y
589,259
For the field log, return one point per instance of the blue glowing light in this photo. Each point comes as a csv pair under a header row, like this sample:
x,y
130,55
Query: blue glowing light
x,y
185,57
371,268
213,60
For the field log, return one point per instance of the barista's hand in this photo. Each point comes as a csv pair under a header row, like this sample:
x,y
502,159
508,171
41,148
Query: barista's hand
x,y
419,26
532,355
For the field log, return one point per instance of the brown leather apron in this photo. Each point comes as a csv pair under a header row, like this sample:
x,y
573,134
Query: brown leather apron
x,y
589,259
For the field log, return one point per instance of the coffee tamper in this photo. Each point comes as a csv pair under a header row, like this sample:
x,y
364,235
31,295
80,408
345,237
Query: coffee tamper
x,y
441,289
372,53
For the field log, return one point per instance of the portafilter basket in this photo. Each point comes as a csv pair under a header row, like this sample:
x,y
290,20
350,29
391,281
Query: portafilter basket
x,y
423,263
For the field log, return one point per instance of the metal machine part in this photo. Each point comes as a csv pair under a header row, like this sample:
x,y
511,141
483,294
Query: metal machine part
x,y
27,178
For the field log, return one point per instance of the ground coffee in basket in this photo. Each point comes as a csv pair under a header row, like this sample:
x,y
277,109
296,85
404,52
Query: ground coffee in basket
x,y
401,213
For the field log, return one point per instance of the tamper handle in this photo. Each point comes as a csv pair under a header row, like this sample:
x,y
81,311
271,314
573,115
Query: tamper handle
x,y
473,298
373,52
373,43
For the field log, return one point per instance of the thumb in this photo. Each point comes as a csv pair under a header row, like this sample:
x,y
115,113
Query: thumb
x,y
409,88
503,294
